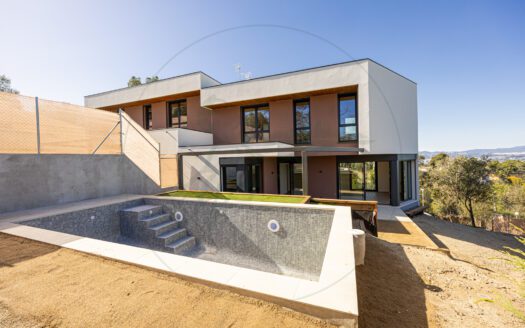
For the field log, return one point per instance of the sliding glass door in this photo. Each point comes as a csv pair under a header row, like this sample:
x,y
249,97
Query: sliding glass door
x,y
356,178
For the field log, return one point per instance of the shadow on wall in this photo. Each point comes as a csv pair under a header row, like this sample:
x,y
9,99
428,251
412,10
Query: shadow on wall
x,y
31,181
390,291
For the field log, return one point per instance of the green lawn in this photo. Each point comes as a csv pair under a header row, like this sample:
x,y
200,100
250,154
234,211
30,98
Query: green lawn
x,y
236,196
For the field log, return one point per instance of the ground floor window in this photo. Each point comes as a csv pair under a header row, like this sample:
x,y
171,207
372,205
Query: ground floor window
x,y
356,178
405,180
241,178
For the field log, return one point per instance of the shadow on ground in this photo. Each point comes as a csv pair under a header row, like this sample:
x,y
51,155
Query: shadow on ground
x,y
439,231
14,250
390,291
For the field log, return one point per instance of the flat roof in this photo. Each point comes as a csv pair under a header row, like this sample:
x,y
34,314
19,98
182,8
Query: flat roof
x,y
309,69
159,80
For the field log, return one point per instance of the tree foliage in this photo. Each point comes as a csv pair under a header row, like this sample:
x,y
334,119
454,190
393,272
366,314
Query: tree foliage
x,y
136,80
477,189
5,85
461,181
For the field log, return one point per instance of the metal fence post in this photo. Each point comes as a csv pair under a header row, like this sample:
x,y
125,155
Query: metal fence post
x,y
121,138
37,126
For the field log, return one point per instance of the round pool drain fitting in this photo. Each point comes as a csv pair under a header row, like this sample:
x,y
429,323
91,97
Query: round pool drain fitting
x,y
273,225
178,216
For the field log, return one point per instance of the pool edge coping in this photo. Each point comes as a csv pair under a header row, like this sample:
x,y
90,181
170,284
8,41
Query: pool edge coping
x,y
333,296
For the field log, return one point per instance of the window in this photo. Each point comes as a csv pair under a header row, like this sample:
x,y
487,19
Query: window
x,y
256,124
347,118
302,121
242,178
405,180
148,121
177,114
356,178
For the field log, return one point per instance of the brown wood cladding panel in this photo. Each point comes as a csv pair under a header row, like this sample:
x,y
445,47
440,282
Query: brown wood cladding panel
x,y
281,121
270,175
322,176
198,118
226,126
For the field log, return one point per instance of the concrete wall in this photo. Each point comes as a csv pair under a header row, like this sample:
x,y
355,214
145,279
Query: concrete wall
x,y
393,113
30,181
171,139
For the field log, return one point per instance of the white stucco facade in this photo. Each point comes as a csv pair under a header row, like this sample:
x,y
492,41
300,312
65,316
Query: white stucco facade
x,y
176,85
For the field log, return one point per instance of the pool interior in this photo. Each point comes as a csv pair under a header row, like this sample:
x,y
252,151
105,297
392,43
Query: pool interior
x,y
224,232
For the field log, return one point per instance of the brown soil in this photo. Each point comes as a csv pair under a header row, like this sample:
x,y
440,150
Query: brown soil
x,y
46,286
418,287
399,286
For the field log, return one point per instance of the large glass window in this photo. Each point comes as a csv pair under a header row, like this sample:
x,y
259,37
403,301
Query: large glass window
x,y
347,118
242,178
178,114
356,178
256,124
302,121
148,118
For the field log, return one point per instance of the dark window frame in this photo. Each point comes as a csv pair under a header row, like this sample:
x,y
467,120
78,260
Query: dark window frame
x,y
408,177
257,131
169,117
309,128
356,124
146,120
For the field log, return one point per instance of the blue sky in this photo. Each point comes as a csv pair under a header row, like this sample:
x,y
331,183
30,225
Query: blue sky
x,y
466,56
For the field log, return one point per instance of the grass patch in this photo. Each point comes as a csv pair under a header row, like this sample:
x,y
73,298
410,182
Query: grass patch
x,y
237,196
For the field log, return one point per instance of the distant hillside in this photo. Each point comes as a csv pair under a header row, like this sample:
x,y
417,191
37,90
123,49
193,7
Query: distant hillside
x,y
501,154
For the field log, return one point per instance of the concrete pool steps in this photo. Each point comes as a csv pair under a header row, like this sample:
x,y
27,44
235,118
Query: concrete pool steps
x,y
156,220
150,224
182,245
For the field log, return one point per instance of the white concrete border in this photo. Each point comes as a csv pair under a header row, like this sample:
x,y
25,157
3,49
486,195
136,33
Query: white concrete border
x,y
332,297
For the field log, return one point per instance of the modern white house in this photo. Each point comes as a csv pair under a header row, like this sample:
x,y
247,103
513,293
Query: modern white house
x,y
347,131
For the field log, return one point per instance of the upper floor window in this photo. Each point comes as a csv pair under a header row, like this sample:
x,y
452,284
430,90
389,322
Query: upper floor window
x,y
177,114
347,118
148,118
256,124
302,121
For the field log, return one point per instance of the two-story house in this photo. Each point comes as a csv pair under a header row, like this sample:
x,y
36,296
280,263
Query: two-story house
x,y
346,131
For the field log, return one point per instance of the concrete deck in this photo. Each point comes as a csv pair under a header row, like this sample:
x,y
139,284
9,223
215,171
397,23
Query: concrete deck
x,y
396,227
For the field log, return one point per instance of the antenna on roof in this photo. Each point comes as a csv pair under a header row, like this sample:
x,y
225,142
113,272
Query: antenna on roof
x,y
243,75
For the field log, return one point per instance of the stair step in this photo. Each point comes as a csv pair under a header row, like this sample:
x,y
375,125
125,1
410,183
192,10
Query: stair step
x,y
144,211
163,227
173,235
155,220
181,245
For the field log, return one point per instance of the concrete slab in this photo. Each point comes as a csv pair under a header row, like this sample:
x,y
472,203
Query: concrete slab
x,y
396,227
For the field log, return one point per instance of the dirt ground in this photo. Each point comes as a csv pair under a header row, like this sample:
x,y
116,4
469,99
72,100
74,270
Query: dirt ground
x,y
399,286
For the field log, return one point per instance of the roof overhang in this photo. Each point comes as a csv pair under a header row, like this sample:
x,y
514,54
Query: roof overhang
x,y
333,77
271,147
184,84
